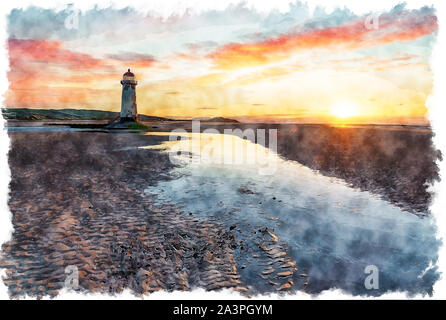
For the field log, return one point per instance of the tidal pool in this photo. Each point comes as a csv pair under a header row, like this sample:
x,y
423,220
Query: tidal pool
x,y
332,232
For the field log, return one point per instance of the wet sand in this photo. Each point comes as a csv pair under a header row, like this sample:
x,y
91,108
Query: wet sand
x,y
396,162
77,199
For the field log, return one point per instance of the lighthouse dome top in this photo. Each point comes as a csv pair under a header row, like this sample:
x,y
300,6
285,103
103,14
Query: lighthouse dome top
x,y
129,74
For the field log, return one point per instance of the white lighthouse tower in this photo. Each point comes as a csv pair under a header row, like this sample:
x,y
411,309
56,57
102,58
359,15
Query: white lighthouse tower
x,y
128,102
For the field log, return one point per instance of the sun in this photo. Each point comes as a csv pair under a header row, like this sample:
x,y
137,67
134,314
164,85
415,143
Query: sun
x,y
344,110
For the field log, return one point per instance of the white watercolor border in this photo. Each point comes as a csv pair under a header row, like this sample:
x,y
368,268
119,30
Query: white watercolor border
x,y
437,116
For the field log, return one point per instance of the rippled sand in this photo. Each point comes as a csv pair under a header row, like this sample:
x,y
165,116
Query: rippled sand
x,y
77,199
127,219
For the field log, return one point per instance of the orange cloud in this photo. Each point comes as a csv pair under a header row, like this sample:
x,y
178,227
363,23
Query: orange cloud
x,y
49,52
40,62
40,73
133,60
43,73
428,26
349,36
44,96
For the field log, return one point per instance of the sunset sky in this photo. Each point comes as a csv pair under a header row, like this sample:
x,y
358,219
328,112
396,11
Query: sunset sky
x,y
303,65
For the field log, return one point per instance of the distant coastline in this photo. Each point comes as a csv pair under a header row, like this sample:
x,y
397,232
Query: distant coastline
x,y
28,114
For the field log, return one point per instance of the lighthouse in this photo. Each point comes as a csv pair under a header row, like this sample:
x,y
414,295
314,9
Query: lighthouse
x,y
128,101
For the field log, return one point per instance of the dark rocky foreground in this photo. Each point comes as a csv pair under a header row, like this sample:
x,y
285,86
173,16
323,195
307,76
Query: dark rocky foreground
x,y
77,199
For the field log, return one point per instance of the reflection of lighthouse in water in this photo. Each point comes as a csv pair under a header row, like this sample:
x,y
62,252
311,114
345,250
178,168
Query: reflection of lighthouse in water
x,y
128,102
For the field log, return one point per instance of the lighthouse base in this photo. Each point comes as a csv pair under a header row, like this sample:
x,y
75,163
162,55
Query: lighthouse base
x,y
128,119
127,123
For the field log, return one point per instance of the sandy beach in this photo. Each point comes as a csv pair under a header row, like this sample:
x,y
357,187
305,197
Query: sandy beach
x,y
79,201
127,218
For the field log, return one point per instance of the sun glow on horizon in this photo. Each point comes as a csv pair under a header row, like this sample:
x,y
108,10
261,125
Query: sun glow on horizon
x,y
344,110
